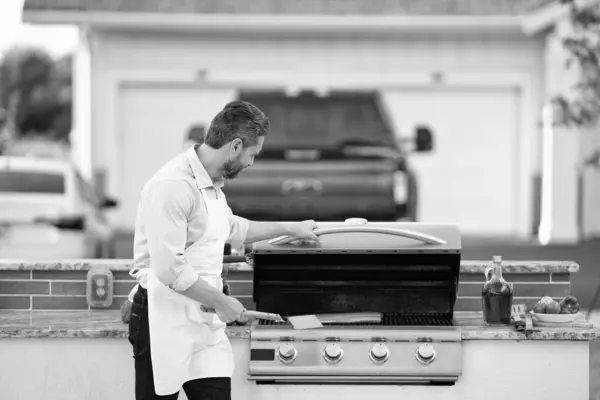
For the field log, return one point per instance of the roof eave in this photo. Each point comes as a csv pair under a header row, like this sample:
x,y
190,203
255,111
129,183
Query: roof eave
x,y
261,23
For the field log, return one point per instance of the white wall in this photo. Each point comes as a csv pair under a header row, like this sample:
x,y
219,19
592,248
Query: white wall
x,y
81,141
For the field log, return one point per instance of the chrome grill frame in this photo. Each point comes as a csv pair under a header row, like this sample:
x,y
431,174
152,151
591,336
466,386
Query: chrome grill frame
x,y
388,320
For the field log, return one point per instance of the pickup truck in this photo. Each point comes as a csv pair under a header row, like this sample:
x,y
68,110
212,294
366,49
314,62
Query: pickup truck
x,y
328,158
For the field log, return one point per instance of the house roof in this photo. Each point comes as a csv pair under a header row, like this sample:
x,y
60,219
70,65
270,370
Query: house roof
x,y
297,7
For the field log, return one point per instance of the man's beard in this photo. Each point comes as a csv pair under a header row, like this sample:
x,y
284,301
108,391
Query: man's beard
x,y
231,169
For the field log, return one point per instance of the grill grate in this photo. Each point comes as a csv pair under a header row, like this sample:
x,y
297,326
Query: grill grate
x,y
389,320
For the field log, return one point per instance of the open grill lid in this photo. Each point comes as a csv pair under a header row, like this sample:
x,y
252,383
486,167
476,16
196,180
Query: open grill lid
x,y
393,268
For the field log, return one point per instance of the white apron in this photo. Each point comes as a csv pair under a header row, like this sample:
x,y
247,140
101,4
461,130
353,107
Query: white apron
x,y
185,342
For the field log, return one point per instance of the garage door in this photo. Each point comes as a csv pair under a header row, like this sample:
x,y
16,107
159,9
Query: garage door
x,y
153,124
470,178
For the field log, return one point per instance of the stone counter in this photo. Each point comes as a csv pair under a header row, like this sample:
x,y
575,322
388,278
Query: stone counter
x,y
107,324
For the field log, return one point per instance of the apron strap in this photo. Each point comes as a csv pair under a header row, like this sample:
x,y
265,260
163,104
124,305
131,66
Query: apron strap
x,y
205,198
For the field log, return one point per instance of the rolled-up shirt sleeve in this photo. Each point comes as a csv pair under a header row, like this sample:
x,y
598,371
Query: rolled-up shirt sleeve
x,y
238,229
166,208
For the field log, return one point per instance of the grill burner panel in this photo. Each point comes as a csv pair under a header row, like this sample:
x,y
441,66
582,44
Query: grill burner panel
x,y
391,320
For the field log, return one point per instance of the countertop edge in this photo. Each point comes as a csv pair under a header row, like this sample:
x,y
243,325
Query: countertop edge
x,y
466,266
244,333
94,333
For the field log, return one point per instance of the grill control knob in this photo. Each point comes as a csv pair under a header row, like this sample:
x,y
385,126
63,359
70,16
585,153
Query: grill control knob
x,y
287,353
379,353
333,353
425,354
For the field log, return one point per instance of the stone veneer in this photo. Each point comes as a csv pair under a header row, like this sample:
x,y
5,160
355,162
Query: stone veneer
x,y
60,285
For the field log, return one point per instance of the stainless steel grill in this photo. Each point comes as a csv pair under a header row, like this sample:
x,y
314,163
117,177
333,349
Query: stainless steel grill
x,y
407,272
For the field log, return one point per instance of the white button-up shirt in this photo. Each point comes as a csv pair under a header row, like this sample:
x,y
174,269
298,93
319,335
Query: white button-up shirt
x,y
172,215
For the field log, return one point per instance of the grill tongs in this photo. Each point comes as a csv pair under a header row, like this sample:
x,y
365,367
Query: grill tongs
x,y
311,321
298,322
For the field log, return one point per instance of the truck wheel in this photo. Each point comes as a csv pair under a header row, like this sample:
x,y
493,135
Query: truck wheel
x,y
110,250
105,250
98,250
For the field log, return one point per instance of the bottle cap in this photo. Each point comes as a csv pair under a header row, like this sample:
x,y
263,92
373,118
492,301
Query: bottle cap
x,y
497,259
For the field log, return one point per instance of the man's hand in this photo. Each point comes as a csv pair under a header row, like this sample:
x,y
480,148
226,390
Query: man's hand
x,y
304,231
126,311
230,309
263,230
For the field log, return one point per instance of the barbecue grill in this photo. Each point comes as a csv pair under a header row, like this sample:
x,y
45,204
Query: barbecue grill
x,y
405,272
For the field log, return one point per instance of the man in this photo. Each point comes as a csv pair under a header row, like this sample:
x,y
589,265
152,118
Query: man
x,y
183,223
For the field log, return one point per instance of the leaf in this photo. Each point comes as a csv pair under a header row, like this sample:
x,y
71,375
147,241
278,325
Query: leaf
x,y
582,105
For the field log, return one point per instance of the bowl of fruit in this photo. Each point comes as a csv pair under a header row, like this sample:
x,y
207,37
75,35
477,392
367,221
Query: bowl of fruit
x,y
550,310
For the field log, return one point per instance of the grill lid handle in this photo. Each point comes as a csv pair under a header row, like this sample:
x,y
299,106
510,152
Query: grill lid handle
x,y
428,239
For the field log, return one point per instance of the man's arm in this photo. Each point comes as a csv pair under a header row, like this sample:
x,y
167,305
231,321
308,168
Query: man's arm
x,y
259,230
238,229
243,231
165,212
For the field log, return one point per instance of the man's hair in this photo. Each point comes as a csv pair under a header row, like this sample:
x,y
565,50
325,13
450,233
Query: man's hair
x,y
237,120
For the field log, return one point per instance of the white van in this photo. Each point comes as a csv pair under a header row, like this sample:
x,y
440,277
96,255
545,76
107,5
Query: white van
x,y
48,211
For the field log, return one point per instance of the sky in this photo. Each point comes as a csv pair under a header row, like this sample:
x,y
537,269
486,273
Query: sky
x,y
57,40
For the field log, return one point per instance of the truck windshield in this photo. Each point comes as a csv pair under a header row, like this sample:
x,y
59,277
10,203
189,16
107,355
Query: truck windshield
x,y
326,124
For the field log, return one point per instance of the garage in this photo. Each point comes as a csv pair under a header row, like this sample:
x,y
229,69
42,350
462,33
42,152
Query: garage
x,y
470,71
482,111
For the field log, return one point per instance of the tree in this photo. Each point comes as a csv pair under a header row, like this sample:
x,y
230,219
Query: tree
x,y
582,107
35,92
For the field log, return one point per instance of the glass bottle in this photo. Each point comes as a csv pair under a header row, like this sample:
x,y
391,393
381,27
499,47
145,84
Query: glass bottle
x,y
496,296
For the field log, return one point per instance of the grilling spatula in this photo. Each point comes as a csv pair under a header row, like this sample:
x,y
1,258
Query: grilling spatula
x,y
297,322
305,322
313,321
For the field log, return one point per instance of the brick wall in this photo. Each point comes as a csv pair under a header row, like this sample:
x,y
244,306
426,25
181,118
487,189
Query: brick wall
x,y
528,288
65,290
54,290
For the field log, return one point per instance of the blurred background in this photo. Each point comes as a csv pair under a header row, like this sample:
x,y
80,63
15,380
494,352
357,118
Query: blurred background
x,y
477,113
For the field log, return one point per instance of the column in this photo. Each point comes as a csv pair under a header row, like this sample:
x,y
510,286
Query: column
x,y
560,151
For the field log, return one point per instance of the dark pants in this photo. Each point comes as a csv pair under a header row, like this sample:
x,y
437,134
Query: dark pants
x,y
139,337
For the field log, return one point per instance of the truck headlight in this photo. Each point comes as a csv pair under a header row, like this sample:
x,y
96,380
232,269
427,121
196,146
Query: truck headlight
x,y
400,187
